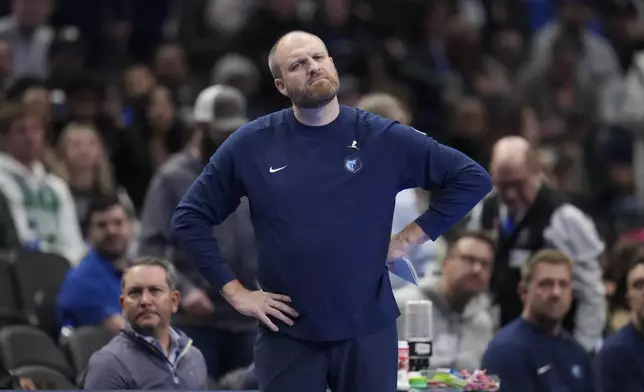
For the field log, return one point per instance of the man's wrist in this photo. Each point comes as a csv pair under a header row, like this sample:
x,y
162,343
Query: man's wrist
x,y
412,235
231,290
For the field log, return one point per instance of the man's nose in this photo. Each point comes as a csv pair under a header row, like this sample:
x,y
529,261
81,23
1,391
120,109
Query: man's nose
x,y
111,232
314,67
477,267
112,229
556,291
510,194
146,298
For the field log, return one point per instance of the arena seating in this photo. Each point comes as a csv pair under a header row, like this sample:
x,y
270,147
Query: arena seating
x,y
30,341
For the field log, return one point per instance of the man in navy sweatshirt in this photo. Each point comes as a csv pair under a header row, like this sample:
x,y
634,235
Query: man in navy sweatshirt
x,y
321,180
534,353
620,362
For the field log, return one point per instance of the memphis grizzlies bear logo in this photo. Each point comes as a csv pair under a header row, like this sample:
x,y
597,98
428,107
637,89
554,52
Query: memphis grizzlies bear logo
x,y
353,164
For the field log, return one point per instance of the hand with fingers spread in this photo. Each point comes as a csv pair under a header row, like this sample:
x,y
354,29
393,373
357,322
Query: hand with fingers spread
x,y
261,305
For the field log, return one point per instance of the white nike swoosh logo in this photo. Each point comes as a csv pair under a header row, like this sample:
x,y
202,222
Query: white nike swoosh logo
x,y
276,170
543,369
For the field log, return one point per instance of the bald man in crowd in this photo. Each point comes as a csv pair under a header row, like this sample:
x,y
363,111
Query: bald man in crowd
x,y
525,214
321,180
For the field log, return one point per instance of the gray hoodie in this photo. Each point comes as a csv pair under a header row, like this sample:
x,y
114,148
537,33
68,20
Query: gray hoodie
x,y
130,361
459,338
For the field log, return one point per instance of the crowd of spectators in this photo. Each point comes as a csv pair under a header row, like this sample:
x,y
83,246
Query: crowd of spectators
x,y
109,109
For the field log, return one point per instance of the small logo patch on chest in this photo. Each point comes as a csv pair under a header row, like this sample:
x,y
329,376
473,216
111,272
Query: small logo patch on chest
x,y
353,165
576,371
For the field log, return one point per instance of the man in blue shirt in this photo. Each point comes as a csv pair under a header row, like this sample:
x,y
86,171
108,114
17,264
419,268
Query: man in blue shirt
x,y
534,353
321,180
90,293
621,360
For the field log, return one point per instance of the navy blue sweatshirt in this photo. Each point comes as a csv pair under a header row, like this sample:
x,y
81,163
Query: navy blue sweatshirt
x,y
322,201
529,359
619,367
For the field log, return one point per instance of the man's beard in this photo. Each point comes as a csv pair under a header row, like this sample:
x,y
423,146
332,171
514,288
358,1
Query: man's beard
x,y
111,255
316,95
546,321
145,331
638,320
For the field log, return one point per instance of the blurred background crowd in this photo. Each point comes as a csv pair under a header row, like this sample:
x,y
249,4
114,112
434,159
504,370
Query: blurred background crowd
x,y
108,109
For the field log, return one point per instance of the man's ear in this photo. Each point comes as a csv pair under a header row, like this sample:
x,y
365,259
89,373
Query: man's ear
x,y
281,87
176,300
522,289
444,261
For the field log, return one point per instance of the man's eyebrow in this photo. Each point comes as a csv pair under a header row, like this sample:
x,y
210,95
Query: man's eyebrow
x,y
294,60
141,286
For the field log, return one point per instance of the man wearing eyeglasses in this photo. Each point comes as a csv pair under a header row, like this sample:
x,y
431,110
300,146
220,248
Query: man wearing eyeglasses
x,y
463,320
525,214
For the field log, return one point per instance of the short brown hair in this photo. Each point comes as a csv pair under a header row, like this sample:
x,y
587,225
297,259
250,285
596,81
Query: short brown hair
x,y
544,256
276,72
150,261
13,111
385,105
479,235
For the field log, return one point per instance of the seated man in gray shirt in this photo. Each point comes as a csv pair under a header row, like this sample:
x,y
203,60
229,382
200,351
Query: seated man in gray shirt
x,y
148,354
462,313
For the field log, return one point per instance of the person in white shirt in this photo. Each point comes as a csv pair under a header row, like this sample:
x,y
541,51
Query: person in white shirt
x,y
41,204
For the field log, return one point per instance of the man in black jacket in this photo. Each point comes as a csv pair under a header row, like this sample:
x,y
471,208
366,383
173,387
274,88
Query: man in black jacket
x,y
525,215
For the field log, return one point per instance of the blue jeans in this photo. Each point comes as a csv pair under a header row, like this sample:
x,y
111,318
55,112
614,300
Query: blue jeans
x,y
223,351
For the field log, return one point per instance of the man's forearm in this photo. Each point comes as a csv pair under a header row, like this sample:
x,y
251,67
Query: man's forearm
x,y
193,233
411,235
